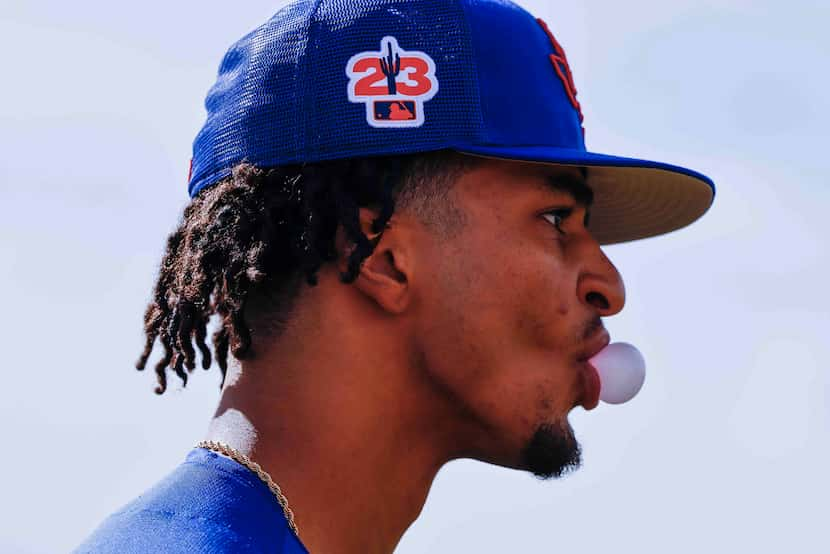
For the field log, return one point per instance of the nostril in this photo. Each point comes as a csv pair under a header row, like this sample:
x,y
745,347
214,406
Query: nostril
x,y
597,300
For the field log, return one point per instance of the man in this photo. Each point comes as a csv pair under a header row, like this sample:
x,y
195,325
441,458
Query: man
x,y
396,292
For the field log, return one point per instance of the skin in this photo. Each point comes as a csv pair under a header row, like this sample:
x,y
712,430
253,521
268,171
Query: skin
x,y
446,347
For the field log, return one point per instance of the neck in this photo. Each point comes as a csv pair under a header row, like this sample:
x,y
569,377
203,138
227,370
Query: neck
x,y
348,433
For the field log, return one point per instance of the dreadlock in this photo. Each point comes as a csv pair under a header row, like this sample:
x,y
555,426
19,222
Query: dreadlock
x,y
273,229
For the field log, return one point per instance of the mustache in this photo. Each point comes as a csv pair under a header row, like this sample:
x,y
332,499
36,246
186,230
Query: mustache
x,y
592,327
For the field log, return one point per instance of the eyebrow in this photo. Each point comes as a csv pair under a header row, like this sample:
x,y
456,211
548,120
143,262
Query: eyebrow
x,y
575,186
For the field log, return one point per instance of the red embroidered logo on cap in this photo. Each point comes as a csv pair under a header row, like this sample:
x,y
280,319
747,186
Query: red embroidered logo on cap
x,y
393,84
563,70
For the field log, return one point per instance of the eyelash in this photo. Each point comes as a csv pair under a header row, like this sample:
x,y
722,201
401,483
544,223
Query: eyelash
x,y
561,214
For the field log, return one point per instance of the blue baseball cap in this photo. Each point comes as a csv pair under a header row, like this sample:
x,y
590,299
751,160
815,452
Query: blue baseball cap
x,y
333,79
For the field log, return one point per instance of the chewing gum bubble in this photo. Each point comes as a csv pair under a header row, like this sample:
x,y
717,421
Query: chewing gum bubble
x,y
622,371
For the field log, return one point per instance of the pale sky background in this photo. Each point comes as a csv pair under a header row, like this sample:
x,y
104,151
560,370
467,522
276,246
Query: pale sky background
x,y
725,450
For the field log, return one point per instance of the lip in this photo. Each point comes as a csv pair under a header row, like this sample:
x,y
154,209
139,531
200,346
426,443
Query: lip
x,y
591,384
596,343
590,387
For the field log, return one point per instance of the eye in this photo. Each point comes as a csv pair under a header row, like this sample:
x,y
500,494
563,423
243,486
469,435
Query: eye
x,y
557,217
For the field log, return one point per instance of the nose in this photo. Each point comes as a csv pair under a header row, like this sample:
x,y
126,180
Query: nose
x,y
600,284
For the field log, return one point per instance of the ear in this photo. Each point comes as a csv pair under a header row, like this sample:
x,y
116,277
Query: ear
x,y
385,274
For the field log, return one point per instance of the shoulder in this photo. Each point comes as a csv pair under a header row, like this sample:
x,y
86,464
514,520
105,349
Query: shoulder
x,y
159,531
208,504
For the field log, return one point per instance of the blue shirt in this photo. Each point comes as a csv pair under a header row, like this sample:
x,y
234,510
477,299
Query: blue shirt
x,y
209,504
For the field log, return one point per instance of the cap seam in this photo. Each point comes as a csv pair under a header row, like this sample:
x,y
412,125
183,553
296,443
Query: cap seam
x,y
302,72
480,127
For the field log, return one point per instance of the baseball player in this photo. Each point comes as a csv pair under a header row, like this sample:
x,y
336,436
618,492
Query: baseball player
x,y
397,225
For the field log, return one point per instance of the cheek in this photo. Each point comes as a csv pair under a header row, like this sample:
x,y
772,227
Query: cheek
x,y
542,299
503,298
495,336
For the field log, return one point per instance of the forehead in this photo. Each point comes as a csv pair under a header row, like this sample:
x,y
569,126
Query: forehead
x,y
512,180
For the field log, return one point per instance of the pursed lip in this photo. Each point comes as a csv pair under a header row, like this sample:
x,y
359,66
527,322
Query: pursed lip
x,y
599,340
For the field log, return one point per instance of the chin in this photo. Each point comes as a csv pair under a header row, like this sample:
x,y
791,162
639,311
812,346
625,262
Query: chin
x,y
552,451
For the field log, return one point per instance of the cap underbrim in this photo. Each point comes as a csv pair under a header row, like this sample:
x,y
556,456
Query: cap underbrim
x,y
633,199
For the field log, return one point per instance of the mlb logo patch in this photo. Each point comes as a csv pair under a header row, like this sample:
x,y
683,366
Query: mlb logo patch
x,y
397,110
393,84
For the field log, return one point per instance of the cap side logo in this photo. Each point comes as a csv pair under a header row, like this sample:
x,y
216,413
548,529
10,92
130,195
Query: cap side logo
x,y
393,84
563,70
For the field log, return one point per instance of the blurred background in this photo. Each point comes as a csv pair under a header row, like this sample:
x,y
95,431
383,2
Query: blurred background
x,y
725,450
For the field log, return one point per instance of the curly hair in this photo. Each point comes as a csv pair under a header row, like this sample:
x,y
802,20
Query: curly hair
x,y
271,230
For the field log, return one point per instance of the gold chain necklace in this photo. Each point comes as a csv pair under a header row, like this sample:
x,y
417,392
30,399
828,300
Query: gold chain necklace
x,y
261,473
